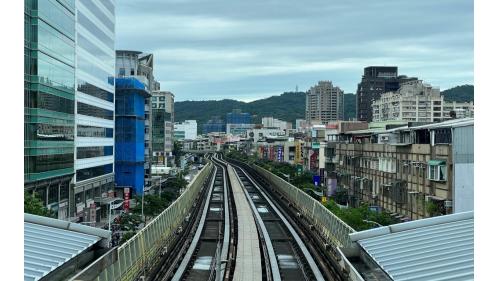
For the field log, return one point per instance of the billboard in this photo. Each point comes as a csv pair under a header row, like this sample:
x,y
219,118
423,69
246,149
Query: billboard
x,y
271,152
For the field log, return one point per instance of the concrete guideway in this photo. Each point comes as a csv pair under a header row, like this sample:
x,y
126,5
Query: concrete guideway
x,y
248,263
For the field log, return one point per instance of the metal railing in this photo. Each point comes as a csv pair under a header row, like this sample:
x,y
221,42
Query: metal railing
x,y
128,261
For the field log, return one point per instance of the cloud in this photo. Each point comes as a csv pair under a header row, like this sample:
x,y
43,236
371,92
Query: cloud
x,y
245,49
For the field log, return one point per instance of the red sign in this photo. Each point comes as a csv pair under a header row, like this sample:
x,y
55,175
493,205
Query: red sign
x,y
126,202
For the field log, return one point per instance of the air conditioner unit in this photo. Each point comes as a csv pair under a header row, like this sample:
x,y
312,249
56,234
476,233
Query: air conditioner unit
x,y
448,203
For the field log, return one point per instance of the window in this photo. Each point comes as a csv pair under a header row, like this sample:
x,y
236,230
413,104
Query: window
x,y
162,98
44,163
93,151
121,71
437,170
93,172
94,91
95,132
99,14
161,105
97,32
94,111
48,132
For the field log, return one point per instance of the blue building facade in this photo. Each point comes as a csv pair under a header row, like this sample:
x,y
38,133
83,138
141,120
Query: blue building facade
x,y
238,117
129,133
214,125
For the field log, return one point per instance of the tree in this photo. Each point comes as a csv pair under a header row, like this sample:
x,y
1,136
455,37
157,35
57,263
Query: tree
x,y
33,205
177,152
130,221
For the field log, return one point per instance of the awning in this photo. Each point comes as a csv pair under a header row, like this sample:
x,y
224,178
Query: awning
x,y
436,162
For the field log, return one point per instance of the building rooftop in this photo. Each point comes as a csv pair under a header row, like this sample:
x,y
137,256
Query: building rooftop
x,y
49,244
438,248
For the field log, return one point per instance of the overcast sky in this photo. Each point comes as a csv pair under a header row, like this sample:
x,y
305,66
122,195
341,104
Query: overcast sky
x,y
247,50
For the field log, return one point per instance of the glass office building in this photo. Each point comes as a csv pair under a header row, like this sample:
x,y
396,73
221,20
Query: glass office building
x,y
95,116
49,101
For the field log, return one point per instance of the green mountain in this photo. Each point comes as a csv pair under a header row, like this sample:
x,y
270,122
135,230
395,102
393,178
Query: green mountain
x,y
464,93
288,106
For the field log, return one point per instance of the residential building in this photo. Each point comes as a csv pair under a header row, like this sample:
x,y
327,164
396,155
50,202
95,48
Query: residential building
x,y
270,122
162,104
256,135
375,81
139,65
214,125
416,101
414,172
300,125
186,130
131,95
95,60
49,103
324,103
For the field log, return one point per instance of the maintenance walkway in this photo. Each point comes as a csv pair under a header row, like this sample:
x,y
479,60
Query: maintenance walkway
x,y
248,263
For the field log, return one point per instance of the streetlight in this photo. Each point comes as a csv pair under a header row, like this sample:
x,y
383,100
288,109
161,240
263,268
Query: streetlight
x,y
142,207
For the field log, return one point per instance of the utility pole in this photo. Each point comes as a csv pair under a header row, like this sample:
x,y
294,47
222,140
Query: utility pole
x,y
142,207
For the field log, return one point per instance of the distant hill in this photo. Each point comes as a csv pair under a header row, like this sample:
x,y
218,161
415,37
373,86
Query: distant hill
x,y
288,106
464,93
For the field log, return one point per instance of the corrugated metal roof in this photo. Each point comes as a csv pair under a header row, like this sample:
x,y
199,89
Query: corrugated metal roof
x,y
440,248
46,248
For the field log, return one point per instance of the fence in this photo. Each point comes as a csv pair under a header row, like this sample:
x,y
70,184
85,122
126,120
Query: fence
x,y
129,260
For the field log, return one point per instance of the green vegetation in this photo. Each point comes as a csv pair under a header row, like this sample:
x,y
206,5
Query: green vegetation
x,y
288,106
360,218
464,93
177,152
33,205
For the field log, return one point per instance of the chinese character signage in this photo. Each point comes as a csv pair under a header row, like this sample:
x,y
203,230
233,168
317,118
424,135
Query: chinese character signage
x,y
298,153
126,203
280,153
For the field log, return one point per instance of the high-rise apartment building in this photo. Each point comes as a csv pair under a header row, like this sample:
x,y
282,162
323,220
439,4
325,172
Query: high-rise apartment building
x,y
95,71
162,104
375,81
140,66
324,103
49,102
416,101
